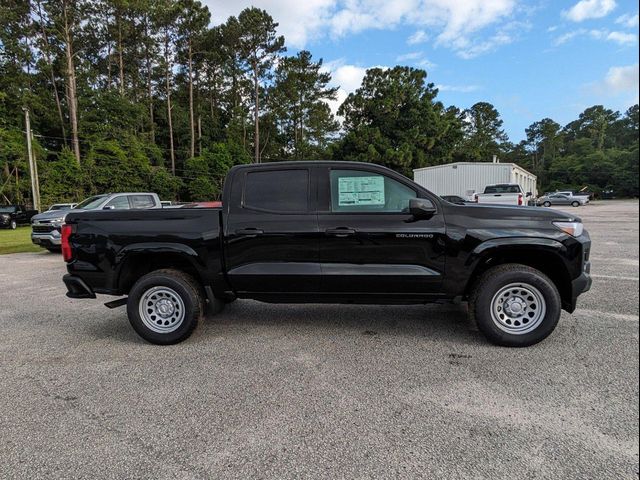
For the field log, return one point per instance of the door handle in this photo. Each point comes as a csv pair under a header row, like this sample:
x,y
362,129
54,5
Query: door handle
x,y
249,231
340,232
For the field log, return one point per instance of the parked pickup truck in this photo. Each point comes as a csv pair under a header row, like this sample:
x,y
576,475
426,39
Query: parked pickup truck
x,y
335,232
13,215
503,194
45,227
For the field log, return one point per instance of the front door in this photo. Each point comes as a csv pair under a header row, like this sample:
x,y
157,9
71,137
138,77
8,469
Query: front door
x,y
372,246
271,233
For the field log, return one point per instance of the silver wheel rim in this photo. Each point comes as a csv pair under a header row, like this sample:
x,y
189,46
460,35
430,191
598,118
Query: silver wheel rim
x,y
13,225
518,308
161,309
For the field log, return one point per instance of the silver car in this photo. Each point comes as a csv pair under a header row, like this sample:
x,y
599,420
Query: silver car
x,y
560,199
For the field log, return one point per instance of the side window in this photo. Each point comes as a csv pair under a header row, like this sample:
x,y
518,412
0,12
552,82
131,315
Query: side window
x,y
284,191
360,191
142,201
118,203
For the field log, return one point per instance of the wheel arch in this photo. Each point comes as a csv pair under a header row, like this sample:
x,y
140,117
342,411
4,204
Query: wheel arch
x,y
544,255
137,260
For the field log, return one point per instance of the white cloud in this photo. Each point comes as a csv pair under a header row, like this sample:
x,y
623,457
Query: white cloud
x,y
419,36
347,78
628,20
565,37
408,56
300,21
458,88
457,24
416,58
426,63
622,38
586,9
622,79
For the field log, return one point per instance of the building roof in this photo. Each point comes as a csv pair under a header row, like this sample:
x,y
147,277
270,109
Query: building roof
x,y
484,164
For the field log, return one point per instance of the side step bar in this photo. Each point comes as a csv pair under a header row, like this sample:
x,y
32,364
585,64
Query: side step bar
x,y
117,303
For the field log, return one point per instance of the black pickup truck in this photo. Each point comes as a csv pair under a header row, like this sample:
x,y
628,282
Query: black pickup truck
x,y
338,232
13,215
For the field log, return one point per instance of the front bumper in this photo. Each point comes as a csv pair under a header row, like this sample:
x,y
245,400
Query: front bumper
x,y
46,239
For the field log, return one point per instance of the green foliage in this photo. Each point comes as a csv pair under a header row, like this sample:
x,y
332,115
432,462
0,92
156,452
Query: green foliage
x,y
164,184
154,85
117,166
61,180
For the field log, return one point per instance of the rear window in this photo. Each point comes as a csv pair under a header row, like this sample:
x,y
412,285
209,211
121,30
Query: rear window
x,y
142,201
502,189
284,191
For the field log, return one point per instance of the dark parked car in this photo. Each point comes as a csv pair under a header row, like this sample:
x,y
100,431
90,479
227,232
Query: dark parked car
x,y
13,215
335,232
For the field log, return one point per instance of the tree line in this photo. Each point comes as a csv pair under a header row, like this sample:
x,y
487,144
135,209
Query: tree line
x,y
146,95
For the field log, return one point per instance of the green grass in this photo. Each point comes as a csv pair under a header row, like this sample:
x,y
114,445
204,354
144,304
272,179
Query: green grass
x,y
18,240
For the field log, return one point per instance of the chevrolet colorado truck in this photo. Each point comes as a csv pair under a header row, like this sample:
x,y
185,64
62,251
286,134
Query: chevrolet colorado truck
x,y
333,232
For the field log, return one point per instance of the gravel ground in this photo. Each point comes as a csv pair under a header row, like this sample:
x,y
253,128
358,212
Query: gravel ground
x,y
309,391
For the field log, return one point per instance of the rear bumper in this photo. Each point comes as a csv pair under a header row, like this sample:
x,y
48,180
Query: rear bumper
x,y
77,288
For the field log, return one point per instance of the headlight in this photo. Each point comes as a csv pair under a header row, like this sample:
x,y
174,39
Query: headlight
x,y
4,217
58,221
574,229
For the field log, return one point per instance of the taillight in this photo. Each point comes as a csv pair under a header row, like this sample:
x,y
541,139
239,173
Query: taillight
x,y
67,251
519,199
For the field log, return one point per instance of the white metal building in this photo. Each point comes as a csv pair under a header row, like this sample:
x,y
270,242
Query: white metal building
x,y
466,178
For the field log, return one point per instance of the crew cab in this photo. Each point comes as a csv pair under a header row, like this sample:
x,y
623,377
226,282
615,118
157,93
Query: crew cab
x,y
45,227
13,215
333,232
503,194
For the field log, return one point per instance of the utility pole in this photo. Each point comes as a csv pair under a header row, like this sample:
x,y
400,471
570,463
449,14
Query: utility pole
x,y
33,167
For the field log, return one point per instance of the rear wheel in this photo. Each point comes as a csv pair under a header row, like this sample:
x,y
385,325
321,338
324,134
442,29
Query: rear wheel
x,y
546,204
164,306
575,204
515,305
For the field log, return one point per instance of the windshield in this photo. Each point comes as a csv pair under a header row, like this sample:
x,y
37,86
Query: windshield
x,y
91,202
8,209
502,189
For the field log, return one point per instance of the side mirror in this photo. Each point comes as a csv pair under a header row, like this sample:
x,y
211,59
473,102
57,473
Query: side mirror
x,y
529,194
421,208
108,207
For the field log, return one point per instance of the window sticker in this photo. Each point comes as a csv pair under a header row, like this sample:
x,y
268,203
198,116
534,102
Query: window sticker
x,y
360,191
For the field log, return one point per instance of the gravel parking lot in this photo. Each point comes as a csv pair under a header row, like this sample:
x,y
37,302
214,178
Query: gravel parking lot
x,y
309,391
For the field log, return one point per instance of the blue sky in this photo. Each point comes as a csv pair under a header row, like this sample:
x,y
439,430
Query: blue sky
x,y
531,59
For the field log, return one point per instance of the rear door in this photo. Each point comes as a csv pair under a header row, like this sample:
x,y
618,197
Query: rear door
x,y
370,244
271,230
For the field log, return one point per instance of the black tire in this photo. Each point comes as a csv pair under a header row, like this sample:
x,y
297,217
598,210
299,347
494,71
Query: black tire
x,y
54,249
493,282
186,290
13,225
575,204
546,204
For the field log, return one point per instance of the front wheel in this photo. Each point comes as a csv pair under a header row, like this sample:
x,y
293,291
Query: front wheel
x,y
515,305
575,204
546,204
13,225
164,306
